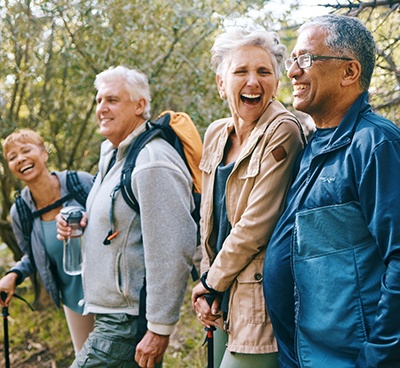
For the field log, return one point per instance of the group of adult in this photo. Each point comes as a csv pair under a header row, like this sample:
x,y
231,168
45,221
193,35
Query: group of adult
x,y
300,242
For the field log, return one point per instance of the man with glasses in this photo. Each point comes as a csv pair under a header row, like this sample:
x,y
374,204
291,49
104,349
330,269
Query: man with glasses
x,y
332,268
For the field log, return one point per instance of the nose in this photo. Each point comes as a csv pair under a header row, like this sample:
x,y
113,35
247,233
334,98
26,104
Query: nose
x,y
20,157
294,70
101,107
252,79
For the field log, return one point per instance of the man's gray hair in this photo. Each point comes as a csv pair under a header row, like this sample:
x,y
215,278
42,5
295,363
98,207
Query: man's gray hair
x,y
236,37
136,83
348,37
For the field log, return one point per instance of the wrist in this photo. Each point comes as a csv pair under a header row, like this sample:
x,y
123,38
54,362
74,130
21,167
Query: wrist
x,y
17,276
203,280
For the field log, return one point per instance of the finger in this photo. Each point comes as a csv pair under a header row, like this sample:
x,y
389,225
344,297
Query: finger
x,y
6,297
215,307
8,300
84,219
207,320
150,362
137,358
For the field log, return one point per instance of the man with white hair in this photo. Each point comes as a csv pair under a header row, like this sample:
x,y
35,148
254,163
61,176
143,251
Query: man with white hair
x,y
126,253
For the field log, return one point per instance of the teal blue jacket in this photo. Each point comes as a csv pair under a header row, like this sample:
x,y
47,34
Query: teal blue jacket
x,y
344,246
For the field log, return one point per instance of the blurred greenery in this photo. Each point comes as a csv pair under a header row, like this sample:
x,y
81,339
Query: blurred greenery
x,y
40,339
52,50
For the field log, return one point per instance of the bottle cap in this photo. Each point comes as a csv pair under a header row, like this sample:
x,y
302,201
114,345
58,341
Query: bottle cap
x,y
71,214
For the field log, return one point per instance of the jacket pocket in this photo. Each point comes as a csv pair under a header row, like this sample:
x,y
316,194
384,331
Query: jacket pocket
x,y
250,166
337,269
248,296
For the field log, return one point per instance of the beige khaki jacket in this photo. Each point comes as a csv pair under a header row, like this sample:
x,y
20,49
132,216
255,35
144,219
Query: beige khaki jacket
x,y
255,195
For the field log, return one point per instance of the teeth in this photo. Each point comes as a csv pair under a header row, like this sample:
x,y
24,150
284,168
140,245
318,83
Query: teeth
x,y
250,95
298,87
23,169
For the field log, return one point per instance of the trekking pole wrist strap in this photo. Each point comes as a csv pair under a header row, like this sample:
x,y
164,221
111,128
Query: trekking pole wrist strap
x,y
206,286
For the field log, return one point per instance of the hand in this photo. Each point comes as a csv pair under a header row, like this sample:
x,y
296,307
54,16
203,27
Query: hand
x,y
206,314
151,349
7,285
63,230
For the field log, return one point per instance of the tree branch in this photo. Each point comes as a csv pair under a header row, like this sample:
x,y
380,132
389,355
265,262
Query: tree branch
x,y
362,5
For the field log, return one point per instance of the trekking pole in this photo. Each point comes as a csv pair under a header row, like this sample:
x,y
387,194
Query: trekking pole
x,y
209,337
4,313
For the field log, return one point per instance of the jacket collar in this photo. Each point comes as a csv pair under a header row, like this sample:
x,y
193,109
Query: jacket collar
x,y
273,111
345,130
107,147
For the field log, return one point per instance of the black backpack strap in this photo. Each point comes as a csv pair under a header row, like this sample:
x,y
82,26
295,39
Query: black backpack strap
x,y
130,163
76,188
25,215
163,123
142,320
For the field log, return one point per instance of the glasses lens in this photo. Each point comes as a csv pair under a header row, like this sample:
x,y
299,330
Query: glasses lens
x,y
304,61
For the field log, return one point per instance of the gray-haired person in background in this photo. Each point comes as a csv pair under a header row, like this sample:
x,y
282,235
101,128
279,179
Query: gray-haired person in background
x,y
247,166
332,268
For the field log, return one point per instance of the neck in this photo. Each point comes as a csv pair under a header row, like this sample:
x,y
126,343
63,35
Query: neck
x,y
243,130
331,117
45,190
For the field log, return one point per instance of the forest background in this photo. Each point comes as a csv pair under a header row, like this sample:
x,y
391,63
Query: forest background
x,y
51,51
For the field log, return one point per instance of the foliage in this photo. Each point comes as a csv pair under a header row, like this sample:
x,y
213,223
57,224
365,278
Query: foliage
x,y
385,91
52,50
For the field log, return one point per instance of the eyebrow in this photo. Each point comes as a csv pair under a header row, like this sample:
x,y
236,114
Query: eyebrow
x,y
106,96
300,52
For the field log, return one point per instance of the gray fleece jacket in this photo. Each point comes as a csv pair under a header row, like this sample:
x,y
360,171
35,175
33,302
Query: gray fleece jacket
x,y
158,244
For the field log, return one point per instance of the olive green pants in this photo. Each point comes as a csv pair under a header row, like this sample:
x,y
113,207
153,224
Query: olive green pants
x,y
112,343
224,359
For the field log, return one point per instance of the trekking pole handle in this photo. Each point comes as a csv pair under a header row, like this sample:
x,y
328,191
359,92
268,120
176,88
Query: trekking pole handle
x,y
210,299
4,310
3,296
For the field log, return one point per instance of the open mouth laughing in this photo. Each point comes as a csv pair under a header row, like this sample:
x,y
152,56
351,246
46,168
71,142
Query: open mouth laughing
x,y
250,98
26,168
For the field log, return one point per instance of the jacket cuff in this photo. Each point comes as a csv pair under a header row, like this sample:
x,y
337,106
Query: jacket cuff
x,y
204,282
160,329
20,277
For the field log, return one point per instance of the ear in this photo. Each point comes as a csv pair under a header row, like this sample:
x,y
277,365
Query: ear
x,y
140,106
351,73
45,155
220,86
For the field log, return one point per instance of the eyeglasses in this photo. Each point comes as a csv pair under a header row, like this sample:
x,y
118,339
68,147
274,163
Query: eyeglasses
x,y
305,61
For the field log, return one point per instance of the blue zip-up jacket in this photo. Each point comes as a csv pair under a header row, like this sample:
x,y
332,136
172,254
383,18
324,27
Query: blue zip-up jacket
x,y
344,247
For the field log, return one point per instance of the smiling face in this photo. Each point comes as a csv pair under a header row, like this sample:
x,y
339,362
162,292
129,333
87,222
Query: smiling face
x,y
249,82
316,90
116,113
26,160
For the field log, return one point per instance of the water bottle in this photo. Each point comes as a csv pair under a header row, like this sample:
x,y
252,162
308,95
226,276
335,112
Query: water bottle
x,y
72,255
